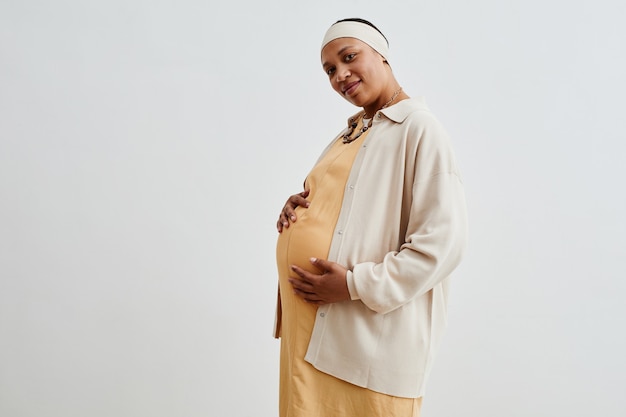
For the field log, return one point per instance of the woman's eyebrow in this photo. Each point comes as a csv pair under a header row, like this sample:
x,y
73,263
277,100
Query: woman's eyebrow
x,y
341,51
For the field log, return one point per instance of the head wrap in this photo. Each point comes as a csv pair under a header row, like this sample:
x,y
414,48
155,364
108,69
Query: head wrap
x,y
360,31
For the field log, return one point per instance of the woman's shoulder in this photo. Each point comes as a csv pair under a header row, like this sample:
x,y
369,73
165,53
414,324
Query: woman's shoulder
x,y
414,117
412,110
424,131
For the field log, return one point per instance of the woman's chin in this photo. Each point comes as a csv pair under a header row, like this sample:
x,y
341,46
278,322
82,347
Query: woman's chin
x,y
354,100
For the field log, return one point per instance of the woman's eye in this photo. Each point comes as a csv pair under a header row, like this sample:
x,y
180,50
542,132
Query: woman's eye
x,y
330,71
349,57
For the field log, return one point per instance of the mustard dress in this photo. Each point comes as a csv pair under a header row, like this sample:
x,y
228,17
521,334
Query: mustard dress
x,y
305,391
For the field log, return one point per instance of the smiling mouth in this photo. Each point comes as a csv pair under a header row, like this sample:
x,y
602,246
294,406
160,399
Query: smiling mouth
x,y
350,87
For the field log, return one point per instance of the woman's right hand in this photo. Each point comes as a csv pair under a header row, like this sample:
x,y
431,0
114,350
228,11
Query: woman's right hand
x,y
287,214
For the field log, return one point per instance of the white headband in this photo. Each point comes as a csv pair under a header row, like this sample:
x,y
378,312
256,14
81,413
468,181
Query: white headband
x,y
360,31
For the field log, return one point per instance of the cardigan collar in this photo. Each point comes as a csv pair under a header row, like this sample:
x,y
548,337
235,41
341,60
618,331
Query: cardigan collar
x,y
400,111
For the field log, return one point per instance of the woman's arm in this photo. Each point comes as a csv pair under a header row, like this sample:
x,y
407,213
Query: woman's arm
x,y
436,230
434,245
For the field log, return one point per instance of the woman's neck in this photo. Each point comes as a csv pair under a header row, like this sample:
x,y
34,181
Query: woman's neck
x,y
389,99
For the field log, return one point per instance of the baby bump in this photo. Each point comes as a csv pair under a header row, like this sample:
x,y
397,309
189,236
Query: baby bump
x,y
309,237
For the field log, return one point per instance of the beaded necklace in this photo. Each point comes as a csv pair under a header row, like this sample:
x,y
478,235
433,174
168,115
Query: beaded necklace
x,y
353,122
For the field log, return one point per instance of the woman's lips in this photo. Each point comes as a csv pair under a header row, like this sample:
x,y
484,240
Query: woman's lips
x,y
350,88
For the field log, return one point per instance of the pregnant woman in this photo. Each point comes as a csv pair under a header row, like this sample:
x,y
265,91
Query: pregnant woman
x,y
365,251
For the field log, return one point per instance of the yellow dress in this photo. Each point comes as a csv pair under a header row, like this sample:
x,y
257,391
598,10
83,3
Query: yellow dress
x,y
305,391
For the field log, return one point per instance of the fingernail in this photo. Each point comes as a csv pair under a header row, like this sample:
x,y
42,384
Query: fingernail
x,y
293,218
307,204
313,260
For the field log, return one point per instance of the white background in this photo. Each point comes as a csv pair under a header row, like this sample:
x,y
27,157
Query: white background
x,y
146,148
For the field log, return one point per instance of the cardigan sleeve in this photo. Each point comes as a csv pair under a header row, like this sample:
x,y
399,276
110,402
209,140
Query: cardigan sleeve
x,y
436,231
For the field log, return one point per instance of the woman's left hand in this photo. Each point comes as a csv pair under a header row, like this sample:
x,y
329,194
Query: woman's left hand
x,y
329,287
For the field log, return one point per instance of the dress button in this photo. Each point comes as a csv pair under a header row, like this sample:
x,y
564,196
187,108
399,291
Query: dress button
x,y
340,232
352,187
322,314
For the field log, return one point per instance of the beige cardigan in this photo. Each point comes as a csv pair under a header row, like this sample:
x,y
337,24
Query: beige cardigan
x,y
401,231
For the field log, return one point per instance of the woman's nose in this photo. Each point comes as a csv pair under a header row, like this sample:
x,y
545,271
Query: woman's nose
x,y
343,73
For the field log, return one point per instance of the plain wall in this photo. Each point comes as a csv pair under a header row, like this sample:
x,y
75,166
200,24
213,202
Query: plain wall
x,y
146,148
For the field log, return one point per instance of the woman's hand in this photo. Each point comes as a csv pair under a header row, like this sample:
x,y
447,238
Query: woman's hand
x,y
288,214
329,287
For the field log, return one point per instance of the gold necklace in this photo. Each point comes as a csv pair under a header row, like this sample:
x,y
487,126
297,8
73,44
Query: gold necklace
x,y
353,122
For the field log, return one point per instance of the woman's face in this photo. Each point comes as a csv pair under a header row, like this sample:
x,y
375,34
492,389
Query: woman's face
x,y
357,72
